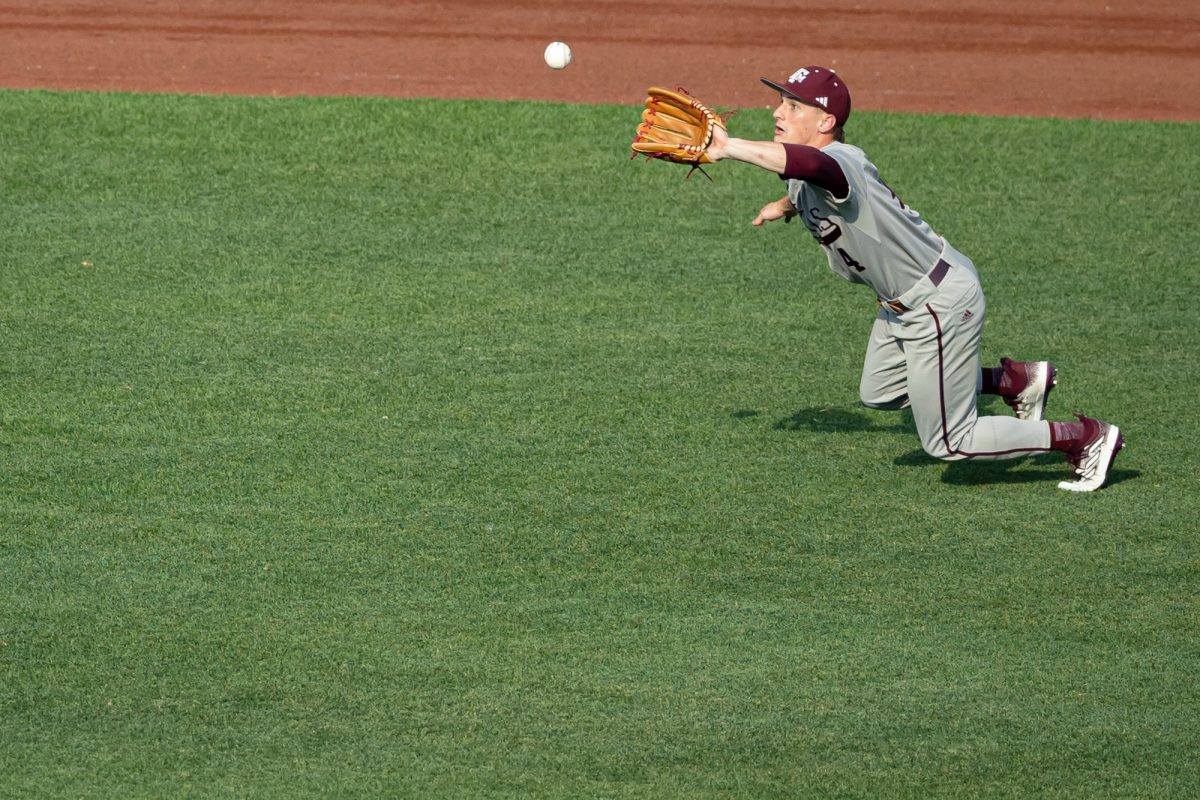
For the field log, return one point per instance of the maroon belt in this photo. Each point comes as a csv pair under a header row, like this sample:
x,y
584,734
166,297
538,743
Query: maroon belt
x,y
936,275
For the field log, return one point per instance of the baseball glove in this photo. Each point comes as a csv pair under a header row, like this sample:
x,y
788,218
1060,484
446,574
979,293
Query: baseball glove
x,y
677,127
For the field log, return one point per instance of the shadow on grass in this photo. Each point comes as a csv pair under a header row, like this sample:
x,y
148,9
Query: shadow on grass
x,y
840,420
1051,467
1032,469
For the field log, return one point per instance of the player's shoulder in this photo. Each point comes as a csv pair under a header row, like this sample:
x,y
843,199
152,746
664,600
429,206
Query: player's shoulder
x,y
844,152
854,161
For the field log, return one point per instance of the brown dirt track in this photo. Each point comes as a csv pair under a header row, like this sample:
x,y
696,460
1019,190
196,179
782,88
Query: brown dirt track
x,y
1073,58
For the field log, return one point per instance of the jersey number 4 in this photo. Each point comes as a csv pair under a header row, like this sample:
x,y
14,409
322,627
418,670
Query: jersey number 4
x,y
849,259
850,262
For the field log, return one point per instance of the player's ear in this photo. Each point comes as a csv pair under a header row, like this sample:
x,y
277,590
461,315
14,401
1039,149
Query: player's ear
x,y
827,123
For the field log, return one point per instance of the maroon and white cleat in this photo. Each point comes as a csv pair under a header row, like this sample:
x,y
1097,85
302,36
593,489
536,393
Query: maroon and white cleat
x,y
1036,378
1095,456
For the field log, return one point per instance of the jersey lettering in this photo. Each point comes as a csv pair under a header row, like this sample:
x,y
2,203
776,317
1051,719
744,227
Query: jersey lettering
x,y
827,232
824,230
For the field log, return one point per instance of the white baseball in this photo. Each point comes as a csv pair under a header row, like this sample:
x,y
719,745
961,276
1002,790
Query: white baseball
x,y
557,55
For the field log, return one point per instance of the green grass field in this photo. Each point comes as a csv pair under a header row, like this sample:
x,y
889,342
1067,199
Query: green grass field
x,y
365,448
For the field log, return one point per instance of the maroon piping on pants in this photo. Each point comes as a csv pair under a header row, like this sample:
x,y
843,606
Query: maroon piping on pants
x,y
942,399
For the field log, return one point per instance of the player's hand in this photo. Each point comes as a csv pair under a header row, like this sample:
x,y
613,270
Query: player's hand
x,y
720,140
780,209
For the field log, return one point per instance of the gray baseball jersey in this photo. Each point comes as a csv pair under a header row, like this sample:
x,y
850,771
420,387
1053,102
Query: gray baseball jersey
x,y
871,236
923,352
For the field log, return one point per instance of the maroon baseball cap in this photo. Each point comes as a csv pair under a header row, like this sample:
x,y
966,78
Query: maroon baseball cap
x,y
817,86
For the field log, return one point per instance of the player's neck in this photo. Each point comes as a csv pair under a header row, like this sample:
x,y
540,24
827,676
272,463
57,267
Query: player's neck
x,y
822,140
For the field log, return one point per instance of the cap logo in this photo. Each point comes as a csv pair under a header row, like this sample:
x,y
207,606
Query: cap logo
x,y
798,76
823,101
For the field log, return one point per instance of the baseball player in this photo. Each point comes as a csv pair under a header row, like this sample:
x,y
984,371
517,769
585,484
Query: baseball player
x,y
923,352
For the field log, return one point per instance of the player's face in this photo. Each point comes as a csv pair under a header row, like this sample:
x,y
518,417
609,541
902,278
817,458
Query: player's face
x,y
798,123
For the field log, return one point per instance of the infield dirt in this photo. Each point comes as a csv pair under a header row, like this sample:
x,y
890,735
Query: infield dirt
x,y
1068,58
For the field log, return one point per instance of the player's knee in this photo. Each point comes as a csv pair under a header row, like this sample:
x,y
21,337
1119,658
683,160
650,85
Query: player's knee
x,y
882,395
939,451
941,448
883,403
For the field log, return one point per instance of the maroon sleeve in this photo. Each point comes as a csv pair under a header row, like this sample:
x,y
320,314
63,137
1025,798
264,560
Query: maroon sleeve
x,y
809,164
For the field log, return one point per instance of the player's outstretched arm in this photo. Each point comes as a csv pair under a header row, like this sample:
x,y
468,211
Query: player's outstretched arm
x,y
793,161
771,156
